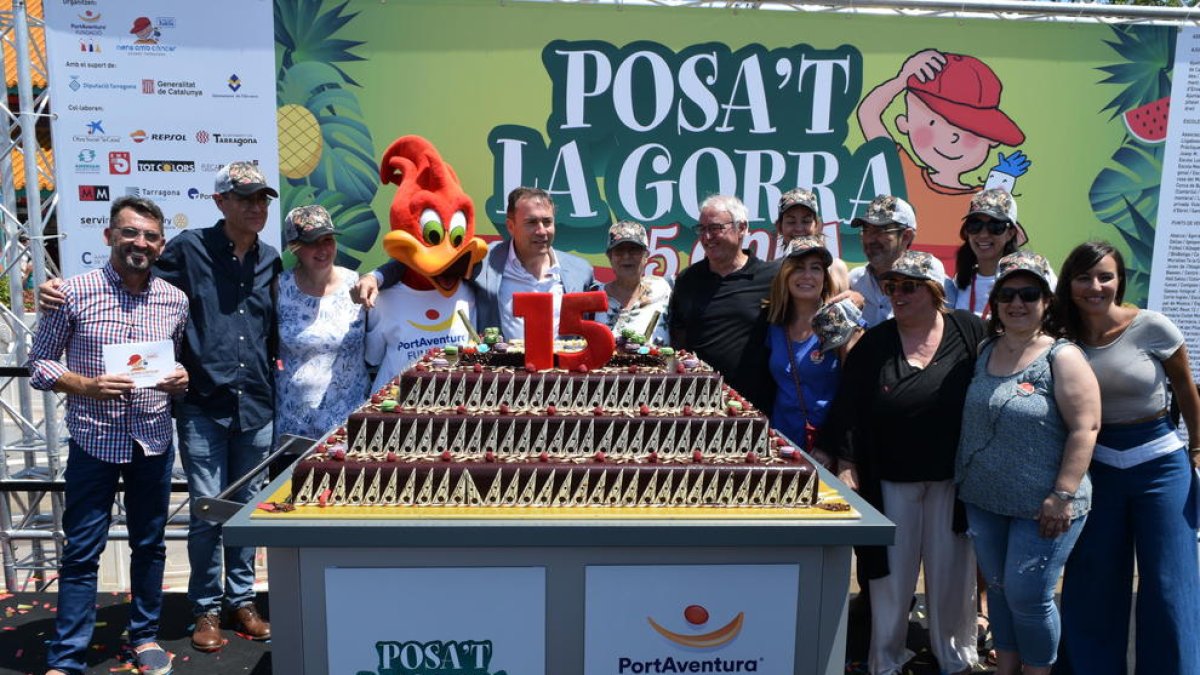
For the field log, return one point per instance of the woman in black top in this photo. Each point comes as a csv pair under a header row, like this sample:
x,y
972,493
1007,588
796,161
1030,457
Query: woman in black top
x,y
894,428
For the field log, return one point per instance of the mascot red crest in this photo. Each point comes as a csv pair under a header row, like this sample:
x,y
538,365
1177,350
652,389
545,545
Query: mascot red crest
x,y
432,219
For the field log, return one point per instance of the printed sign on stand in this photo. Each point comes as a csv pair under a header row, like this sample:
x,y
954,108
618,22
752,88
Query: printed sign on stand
x,y
646,620
452,621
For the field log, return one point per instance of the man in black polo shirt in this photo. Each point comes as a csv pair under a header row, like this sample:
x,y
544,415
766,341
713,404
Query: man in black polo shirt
x,y
715,309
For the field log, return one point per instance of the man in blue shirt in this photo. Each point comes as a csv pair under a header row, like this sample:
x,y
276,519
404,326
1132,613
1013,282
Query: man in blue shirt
x,y
225,421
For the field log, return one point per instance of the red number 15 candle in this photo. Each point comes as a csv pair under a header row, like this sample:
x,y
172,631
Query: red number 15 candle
x,y
537,309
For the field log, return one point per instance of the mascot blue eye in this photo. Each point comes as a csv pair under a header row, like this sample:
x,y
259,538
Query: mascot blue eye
x,y
433,232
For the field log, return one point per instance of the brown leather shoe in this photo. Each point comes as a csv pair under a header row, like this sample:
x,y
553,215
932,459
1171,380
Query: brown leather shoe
x,y
247,621
206,636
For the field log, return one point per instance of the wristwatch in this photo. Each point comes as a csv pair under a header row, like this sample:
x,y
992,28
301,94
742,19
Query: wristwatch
x,y
1063,495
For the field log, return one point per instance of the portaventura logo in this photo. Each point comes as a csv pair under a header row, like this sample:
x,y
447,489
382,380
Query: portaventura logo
x,y
468,657
696,616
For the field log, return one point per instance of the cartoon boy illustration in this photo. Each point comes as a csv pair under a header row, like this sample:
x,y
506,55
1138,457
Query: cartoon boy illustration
x,y
953,121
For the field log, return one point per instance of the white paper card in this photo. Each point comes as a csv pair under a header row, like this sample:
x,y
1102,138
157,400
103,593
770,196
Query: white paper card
x,y
145,362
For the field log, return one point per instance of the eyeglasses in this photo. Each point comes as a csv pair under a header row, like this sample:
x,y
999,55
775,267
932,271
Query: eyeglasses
x,y
131,233
906,287
712,228
994,227
1026,293
260,199
877,231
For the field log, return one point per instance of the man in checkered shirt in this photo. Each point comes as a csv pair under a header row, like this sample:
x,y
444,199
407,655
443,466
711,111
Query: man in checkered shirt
x,y
117,430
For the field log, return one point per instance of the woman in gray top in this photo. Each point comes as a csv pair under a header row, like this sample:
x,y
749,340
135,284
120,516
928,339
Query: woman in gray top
x,y
1029,424
1144,502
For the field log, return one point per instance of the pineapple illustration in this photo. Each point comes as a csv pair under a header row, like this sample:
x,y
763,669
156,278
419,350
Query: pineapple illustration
x,y
325,148
1125,193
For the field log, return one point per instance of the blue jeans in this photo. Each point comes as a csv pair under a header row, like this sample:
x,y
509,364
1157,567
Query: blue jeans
x,y
214,456
1137,512
91,488
1021,569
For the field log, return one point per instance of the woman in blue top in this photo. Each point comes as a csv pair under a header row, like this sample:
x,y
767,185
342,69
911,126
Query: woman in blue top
x,y
1029,423
806,374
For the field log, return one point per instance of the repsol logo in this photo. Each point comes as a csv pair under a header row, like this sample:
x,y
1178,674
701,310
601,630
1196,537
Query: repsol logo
x,y
166,166
168,137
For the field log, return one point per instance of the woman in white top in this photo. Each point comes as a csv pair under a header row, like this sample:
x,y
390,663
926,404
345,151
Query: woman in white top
x,y
634,298
989,232
321,332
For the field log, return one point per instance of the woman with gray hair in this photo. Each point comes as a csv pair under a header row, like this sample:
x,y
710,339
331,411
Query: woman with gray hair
x,y
635,298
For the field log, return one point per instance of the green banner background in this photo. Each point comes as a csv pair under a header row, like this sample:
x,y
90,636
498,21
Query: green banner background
x,y
453,71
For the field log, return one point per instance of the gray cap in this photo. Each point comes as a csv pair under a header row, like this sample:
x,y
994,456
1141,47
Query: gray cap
x,y
798,197
307,224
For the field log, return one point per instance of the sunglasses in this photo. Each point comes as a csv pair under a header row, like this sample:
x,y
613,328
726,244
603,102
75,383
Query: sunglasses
x,y
906,287
1026,293
994,227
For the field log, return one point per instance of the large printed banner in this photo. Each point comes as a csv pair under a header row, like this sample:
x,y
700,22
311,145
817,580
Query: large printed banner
x,y
152,99
640,112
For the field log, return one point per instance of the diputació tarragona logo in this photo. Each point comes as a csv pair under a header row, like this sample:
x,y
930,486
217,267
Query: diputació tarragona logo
x,y
452,657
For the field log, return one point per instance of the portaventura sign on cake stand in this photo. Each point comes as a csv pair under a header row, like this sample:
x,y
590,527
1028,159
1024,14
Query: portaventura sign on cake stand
x,y
546,589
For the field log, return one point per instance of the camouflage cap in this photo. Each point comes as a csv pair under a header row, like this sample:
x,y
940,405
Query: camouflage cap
x,y
888,210
999,204
243,178
809,243
914,264
306,224
835,323
629,232
1024,261
798,197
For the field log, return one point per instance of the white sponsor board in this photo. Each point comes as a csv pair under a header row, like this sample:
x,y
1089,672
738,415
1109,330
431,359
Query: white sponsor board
x,y
647,620
469,620
151,99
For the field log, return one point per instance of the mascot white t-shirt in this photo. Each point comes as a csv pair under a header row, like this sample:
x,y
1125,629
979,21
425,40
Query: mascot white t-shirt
x,y
406,323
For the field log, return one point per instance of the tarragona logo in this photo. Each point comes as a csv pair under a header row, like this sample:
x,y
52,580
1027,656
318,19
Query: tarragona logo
x,y
698,616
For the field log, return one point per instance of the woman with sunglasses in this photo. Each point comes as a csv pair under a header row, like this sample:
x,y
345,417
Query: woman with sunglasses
x,y
989,231
1143,505
806,369
1029,424
895,426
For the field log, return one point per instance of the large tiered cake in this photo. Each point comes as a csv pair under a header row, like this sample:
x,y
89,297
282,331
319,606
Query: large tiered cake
x,y
471,429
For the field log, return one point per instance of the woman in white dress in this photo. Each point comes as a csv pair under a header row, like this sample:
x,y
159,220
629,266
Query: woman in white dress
x,y
321,332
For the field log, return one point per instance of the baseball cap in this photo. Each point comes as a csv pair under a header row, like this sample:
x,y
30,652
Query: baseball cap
x,y
629,232
1024,261
997,203
802,246
798,197
835,323
888,210
915,265
243,178
307,224
966,92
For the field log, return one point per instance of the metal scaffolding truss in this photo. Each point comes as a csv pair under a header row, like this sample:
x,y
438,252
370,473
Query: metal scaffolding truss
x,y
1010,10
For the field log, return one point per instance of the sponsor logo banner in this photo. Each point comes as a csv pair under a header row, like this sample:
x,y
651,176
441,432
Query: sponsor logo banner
x,y
648,620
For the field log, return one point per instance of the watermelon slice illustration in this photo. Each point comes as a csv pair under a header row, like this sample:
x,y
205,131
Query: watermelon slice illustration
x,y
1148,123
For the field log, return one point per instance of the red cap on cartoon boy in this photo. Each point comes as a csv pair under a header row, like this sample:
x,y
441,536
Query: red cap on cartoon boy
x,y
967,94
